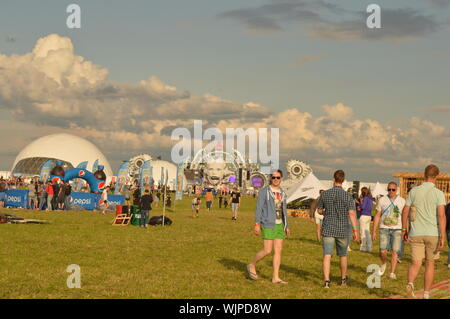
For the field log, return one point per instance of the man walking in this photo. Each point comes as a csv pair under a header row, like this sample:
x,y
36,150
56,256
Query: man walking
x,y
337,206
424,212
389,217
209,197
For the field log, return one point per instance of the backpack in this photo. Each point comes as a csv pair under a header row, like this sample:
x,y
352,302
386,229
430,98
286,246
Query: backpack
x,y
158,220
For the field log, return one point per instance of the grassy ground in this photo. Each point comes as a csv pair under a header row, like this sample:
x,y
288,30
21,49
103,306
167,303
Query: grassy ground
x,y
193,258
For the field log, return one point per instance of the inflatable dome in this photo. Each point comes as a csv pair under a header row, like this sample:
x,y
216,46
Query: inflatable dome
x,y
70,149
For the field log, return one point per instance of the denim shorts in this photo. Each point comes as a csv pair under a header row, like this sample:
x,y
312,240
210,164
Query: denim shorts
x,y
341,246
391,239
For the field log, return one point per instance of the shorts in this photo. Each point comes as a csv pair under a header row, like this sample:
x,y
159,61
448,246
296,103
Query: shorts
x,y
277,232
424,247
391,239
195,207
208,204
318,218
341,246
234,206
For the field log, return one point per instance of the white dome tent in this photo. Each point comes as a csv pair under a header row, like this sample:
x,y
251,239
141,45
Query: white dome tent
x,y
379,190
64,147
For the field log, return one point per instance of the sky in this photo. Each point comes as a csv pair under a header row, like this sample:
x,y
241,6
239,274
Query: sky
x,y
370,101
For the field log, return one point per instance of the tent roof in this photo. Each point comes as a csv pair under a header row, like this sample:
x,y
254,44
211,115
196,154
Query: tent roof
x,y
308,187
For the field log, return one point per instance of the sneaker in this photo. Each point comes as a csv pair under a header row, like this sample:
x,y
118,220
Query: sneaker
x,y
436,256
410,291
382,269
399,260
392,275
426,295
327,284
344,281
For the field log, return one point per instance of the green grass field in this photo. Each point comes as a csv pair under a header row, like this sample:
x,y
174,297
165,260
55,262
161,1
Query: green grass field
x,y
193,258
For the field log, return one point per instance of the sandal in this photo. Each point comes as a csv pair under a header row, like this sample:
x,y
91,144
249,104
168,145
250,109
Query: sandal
x,y
252,275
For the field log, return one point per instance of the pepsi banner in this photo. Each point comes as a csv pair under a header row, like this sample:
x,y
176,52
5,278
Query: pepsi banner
x,y
16,198
86,200
116,199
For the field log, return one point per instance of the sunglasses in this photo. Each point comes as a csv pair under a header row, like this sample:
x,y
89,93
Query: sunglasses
x,y
392,189
276,177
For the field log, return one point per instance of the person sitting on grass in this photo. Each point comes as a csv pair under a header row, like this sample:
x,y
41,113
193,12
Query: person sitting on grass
x,y
195,206
271,220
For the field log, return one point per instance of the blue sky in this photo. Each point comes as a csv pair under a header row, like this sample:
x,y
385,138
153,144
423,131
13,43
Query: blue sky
x,y
211,47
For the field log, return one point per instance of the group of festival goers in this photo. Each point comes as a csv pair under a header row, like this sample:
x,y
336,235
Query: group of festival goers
x,y
234,197
420,221
42,196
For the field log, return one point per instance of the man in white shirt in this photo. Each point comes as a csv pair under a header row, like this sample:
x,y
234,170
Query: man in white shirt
x,y
389,217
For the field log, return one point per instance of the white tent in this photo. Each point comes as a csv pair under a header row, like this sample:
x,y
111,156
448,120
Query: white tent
x,y
378,190
308,187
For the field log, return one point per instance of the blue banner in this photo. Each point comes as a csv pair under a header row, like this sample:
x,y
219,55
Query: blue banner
x,y
16,198
122,175
95,166
86,200
179,182
116,199
83,165
90,201
44,174
145,175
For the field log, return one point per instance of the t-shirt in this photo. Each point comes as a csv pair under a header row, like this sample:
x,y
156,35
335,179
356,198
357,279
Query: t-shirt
x,y
209,197
235,197
104,197
49,189
391,212
425,198
31,190
278,205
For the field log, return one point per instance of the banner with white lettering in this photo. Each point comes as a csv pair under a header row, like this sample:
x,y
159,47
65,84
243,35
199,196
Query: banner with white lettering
x,y
16,198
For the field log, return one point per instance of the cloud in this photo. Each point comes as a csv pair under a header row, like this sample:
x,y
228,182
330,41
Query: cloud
x,y
307,59
267,19
441,108
396,24
52,90
439,3
331,21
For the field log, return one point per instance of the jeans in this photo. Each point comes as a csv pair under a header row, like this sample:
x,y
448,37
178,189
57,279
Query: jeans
x,y
144,216
391,239
341,246
67,203
364,230
402,248
49,202
41,202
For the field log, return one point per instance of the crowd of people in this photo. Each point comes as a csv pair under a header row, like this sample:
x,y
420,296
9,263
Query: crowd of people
x,y
420,220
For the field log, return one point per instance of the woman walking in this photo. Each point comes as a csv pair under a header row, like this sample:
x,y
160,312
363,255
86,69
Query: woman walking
x,y
365,219
271,221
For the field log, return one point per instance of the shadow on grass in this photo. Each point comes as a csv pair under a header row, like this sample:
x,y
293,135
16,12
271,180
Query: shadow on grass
x,y
234,264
